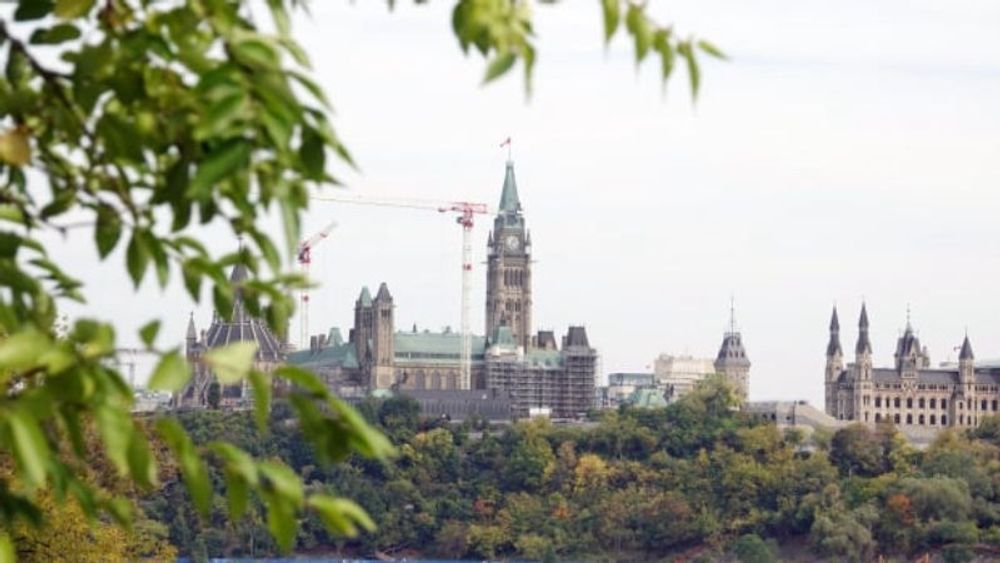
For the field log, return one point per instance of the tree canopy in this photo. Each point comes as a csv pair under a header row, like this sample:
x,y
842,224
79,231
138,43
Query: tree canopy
x,y
138,124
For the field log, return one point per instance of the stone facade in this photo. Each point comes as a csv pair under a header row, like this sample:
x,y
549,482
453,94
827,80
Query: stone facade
x,y
911,392
241,327
533,369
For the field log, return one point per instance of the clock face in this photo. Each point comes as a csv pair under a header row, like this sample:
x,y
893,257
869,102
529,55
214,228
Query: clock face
x,y
512,242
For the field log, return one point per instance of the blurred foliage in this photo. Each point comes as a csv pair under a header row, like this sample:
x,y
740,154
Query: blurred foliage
x,y
539,491
139,123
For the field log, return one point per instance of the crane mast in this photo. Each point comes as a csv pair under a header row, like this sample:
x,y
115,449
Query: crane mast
x,y
466,218
304,256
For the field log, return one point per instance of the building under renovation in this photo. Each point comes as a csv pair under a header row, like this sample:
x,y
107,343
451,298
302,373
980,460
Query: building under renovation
x,y
540,374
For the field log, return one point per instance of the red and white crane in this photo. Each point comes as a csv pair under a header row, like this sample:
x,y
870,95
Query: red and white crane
x,y
466,212
304,257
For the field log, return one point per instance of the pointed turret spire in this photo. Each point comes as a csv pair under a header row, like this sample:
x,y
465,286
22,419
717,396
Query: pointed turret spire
x,y
966,353
383,293
192,332
366,297
833,348
509,202
864,344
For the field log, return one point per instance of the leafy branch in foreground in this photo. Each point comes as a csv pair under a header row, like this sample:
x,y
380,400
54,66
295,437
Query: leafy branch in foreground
x,y
139,123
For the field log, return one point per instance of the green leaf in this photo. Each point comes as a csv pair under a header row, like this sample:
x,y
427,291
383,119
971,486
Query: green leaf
x,y
148,333
260,383
171,373
218,165
711,49
32,9
304,379
116,430
231,363
638,25
283,481
136,258
313,154
69,9
108,231
192,466
694,74
221,115
31,450
22,350
121,510
140,463
340,515
499,66
55,35
257,52
612,15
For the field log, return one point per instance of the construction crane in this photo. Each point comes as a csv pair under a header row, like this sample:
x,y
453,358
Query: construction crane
x,y
466,213
304,256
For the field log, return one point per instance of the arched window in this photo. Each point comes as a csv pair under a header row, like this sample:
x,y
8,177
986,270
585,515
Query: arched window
x,y
961,419
920,419
878,417
909,402
933,403
933,420
920,402
895,418
896,403
878,401
944,420
982,405
909,419
994,405
944,405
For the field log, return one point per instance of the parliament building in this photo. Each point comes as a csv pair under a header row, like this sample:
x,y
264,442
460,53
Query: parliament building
x,y
538,372
910,392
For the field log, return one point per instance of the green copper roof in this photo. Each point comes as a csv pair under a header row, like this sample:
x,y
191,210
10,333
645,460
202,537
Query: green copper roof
x,y
434,346
508,199
503,337
544,358
342,354
366,297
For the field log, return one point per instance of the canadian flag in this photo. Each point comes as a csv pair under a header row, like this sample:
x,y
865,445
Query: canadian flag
x,y
505,143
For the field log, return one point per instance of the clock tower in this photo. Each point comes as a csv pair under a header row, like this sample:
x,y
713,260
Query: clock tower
x,y
508,272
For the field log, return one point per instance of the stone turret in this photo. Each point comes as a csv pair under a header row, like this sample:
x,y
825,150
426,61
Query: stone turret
x,y
382,340
863,349
834,362
732,361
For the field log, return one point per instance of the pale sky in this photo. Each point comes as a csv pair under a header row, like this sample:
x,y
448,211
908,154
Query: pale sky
x,y
848,150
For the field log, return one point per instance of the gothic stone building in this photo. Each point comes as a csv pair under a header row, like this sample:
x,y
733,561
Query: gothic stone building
x,y
532,368
911,392
242,327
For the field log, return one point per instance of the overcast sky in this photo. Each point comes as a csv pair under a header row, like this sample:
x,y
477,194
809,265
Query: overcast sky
x,y
848,150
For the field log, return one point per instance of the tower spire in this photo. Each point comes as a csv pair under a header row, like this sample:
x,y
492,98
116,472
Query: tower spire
x,y
833,348
864,344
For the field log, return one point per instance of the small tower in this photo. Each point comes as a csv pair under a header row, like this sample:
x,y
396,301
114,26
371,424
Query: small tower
x,y
191,342
364,330
732,361
834,363
508,270
382,339
863,349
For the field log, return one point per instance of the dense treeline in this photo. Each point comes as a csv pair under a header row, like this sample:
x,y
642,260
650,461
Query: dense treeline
x,y
697,478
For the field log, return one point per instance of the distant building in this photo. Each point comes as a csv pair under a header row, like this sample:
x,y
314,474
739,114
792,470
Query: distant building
x,y
621,386
678,375
198,393
911,392
534,370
